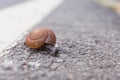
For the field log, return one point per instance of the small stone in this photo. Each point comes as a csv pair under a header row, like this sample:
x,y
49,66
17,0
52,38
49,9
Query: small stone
x,y
80,63
55,66
59,60
63,55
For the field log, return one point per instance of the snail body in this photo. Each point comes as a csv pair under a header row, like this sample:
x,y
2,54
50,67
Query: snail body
x,y
39,37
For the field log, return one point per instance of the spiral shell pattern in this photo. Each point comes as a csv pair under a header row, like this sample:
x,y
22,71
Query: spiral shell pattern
x,y
40,37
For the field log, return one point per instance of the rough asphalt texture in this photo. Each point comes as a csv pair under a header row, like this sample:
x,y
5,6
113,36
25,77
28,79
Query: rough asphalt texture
x,y
8,3
88,36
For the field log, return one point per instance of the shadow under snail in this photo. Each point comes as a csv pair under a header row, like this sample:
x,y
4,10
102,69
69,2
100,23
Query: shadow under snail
x,y
42,38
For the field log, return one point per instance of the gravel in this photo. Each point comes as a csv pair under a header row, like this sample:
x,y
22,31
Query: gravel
x,y
89,46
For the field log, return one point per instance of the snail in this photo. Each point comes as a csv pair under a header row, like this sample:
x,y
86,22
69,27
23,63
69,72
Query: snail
x,y
42,38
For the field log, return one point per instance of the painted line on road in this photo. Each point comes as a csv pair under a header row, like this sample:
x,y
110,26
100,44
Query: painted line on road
x,y
19,18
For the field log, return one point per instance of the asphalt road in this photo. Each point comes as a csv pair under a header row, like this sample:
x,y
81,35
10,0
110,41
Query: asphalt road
x,y
89,47
8,3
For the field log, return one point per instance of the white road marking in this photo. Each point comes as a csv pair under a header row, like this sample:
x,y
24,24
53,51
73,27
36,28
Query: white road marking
x,y
19,18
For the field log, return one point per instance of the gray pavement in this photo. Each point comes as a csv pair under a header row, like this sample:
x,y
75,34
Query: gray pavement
x,y
89,47
8,3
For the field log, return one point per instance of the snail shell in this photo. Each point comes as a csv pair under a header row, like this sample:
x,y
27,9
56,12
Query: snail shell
x,y
39,37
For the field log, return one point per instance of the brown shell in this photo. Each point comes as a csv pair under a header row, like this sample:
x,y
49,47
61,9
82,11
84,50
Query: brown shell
x,y
51,39
40,36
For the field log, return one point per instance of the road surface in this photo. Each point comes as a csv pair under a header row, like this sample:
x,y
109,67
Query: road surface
x,y
8,3
88,36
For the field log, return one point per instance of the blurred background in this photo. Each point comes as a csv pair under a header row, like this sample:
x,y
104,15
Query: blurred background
x,y
88,37
112,4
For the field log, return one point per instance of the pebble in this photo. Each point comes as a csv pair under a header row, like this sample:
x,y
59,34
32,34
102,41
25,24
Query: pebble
x,y
54,66
63,55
